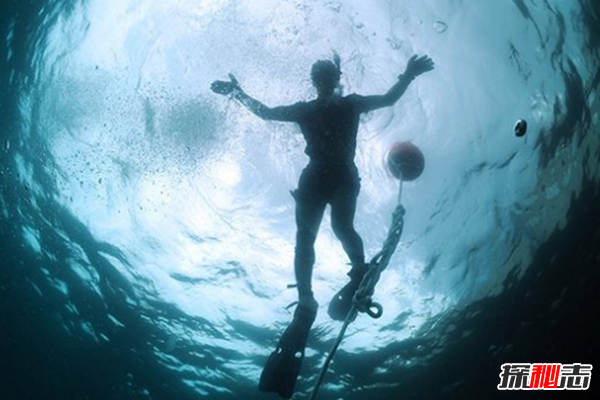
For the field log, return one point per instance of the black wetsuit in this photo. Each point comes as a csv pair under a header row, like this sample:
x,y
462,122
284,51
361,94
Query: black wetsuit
x,y
331,177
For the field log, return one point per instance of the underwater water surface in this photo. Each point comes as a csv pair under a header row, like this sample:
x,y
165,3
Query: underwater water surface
x,y
147,229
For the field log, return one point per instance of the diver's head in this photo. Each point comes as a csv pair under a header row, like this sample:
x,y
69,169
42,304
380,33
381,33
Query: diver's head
x,y
325,77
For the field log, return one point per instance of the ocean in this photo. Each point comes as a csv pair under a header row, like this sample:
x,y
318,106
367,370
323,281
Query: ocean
x,y
147,230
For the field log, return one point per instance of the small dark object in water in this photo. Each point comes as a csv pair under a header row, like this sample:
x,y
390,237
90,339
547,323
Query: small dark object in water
x,y
440,26
520,127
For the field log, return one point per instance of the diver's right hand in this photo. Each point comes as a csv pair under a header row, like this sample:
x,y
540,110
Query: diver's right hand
x,y
224,87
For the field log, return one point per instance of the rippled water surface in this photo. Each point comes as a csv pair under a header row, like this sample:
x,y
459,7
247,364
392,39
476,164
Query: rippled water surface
x,y
148,231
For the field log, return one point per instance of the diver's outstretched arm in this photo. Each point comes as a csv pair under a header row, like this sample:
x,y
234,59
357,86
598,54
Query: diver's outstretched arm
x,y
256,107
415,67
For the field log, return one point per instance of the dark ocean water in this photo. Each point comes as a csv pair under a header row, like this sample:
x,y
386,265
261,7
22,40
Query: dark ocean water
x,y
146,238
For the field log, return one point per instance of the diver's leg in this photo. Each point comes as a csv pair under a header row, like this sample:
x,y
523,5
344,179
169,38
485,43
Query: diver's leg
x,y
343,209
310,207
283,365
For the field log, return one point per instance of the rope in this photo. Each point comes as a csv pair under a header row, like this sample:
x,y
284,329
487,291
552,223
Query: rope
x,y
363,298
347,321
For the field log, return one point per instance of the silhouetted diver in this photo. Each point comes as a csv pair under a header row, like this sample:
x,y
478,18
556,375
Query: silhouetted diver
x,y
329,125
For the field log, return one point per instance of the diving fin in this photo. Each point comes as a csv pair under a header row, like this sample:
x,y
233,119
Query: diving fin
x,y
283,366
342,301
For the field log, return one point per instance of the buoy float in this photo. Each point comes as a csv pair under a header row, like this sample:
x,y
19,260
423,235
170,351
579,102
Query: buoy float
x,y
405,161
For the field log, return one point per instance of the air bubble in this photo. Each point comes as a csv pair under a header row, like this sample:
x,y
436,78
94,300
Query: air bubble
x,y
440,26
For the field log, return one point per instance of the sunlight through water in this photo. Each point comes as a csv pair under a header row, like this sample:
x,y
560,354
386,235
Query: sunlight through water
x,y
154,217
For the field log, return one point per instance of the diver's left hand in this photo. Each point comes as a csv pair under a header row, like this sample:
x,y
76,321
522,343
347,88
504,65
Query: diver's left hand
x,y
225,88
418,65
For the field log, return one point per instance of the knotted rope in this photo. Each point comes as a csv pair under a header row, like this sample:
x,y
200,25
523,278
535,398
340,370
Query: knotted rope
x,y
363,298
